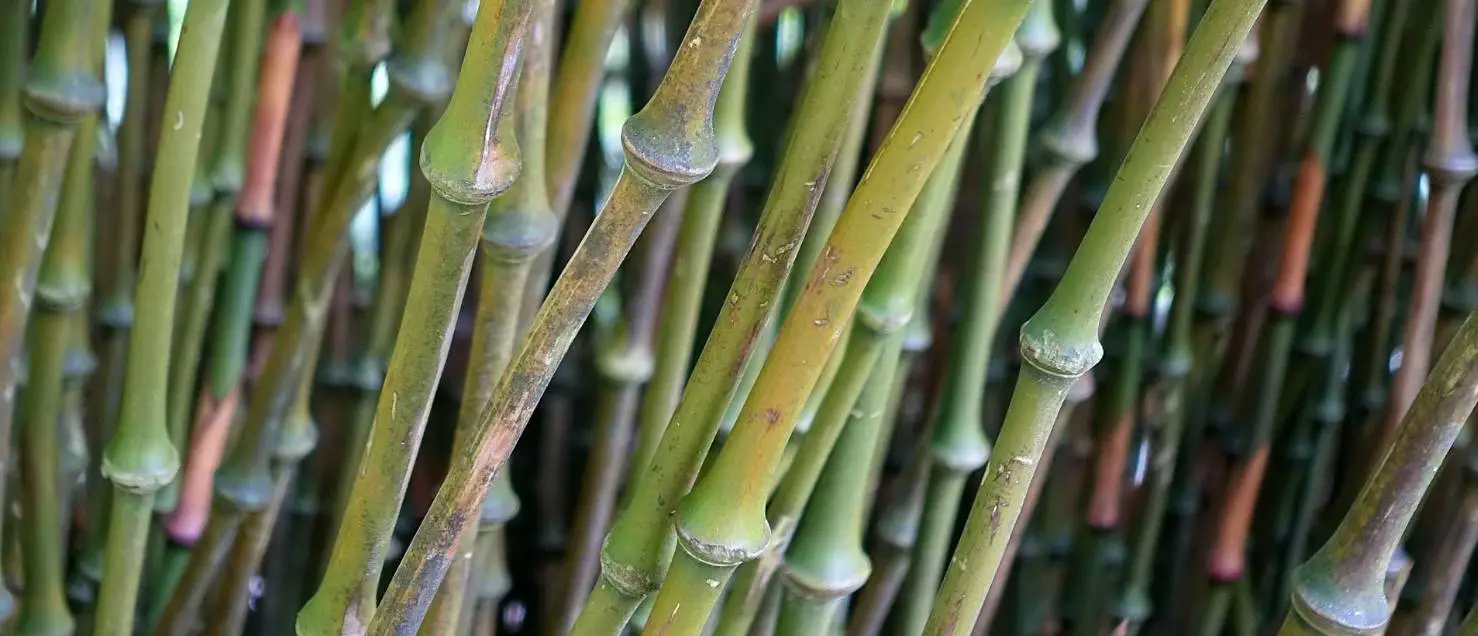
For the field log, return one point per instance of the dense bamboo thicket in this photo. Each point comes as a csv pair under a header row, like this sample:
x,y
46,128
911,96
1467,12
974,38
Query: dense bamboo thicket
x,y
738,317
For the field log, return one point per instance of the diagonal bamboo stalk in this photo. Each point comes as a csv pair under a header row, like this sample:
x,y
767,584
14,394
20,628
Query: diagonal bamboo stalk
x,y
519,225
463,178
1060,342
718,529
1341,589
668,144
640,543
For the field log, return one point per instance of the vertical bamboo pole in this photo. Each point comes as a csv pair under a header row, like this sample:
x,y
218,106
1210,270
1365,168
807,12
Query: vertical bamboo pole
x,y
140,458
1060,343
58,92
63,285
15,16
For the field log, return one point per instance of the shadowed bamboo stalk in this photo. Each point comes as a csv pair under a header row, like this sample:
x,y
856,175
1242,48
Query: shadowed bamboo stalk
x,y
639,546
1227,559
59,91
1449,163
1448,559
1070,138
63,286
668,144
1341,589
1134,604
1060,342
140,459
244,483
519,225
719,528
15,18
463,179
1220,280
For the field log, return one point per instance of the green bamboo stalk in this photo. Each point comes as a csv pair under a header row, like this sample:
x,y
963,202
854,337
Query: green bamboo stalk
x,y
1059,343
1134,604
63,285
719,529
886,306
682,301
59,91
463,180
15,15
245,481
573,96
957,444
1070,137
624,363
519,225
1341,589
115,291
821,570
140,459
669,144
640,542
254,213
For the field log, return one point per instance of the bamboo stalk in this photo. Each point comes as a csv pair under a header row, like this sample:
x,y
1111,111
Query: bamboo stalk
x,y
245,482
463,180
1070,137
140,459
682,301
1227,561
519,225
15,15
718,528
820,570
58,92
1341,589
1060,343
63,285
1449,163
1178,359
681,109
638,547
1449,558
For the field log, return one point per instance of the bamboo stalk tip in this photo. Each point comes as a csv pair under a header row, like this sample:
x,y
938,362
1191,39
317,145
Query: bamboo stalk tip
x,y
515,233
1342,607
1007,63
246,489
1038,35
1074,145
833,574
299,437
1456,165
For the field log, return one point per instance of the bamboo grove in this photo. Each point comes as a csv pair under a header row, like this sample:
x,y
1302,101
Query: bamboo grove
x,y
738,317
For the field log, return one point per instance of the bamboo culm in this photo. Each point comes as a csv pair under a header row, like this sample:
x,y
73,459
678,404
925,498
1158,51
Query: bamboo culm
x,y
670,143
1060,342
